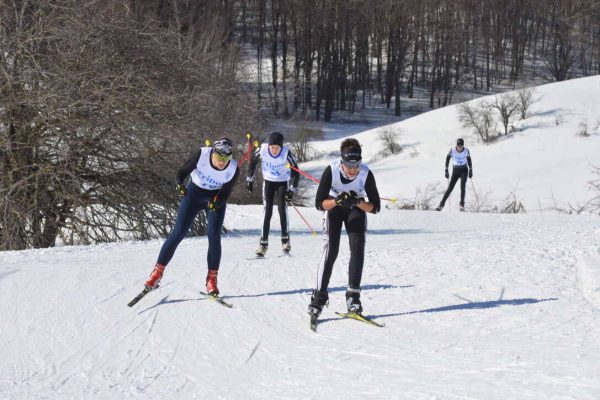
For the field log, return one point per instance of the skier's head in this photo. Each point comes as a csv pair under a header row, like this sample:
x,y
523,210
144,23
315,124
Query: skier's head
x,y
223,146
276,138
275,143
351,155
460,142
223,150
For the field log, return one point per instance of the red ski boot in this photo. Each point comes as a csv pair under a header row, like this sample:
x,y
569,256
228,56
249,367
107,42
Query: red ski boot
x,y
155,276
211,282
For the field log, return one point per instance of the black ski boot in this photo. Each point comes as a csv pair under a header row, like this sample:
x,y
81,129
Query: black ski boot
x,y
318,299
353,301
286,246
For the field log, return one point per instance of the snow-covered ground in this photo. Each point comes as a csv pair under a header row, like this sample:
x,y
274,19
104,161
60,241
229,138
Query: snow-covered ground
x,y
545,163
476,306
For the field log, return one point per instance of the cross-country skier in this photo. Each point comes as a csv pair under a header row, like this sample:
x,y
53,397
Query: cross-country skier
x,y
279,183
341,194
213,174
461,167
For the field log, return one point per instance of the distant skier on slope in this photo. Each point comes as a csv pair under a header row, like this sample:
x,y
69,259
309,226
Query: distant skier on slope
x,y
279,182
461,158
341,194
213,174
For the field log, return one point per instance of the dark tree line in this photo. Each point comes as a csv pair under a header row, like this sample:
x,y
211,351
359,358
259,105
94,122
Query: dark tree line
x,y
330,55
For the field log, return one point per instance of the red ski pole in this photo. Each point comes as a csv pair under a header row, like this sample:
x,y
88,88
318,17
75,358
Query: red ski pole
x,y
312,231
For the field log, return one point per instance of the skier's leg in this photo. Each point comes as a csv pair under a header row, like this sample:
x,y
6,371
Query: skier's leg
x,y
463,185
453,180
282,207
356,226
188,209
215,224
332,229
268,196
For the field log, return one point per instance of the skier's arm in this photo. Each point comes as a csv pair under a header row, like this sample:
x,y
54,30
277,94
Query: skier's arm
x,y
448,158
469,161
295,175
323,201
188,167
374,203
253,163
227,188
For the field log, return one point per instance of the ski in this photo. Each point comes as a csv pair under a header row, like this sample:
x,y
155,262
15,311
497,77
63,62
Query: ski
x,y
360,317
313,322
217,299
147,289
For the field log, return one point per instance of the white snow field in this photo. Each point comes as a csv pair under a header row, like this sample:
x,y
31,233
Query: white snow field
x,y
546,164
476,306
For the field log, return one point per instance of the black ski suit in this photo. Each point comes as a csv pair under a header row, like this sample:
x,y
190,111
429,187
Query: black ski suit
x,y
355,221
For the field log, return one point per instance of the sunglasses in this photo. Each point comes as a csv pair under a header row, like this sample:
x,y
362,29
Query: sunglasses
x,y
351,164
222,157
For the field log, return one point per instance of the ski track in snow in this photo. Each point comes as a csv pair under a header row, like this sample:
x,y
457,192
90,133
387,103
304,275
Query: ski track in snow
x,y
476,306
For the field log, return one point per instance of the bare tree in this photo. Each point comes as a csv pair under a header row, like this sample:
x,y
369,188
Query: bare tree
x,y
479,117
506,105
525,99
99,111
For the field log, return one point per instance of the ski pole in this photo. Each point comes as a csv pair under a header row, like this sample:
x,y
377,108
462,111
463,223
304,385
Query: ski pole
x,y
312,231
315,180
475,193
248,154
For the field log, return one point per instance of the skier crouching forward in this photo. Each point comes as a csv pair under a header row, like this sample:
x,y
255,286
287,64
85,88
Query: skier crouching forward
x,y
279,182
213,174
341,195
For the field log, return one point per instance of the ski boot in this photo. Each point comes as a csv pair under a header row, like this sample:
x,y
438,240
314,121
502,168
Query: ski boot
x,y
318,299
285,245
461,207
262,248
353,301
155,276
211,282
439,208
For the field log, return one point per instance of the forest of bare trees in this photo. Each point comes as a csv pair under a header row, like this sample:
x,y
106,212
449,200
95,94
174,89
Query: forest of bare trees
x,y
333,55
101,101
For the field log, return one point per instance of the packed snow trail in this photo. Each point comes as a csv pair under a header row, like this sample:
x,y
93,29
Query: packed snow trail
x,y
475,306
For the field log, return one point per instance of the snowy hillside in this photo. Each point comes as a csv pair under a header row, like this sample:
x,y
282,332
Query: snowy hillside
x,y
545,163
476,306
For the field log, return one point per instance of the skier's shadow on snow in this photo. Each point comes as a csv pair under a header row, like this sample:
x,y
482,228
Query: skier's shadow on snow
x,y
478,305
309,290
165,300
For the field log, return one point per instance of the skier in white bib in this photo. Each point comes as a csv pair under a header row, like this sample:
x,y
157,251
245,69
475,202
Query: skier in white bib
x,y
279,182
341,195
462,167
213,173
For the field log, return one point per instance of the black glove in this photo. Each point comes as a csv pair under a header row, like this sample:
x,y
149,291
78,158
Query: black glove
x,y
446,174
470,173
249,186
289,195
181,189
346,200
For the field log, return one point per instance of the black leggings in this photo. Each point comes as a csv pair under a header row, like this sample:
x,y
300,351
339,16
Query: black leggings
x,y
355,221
456,174
272,190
